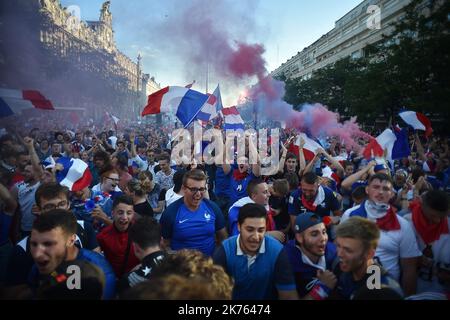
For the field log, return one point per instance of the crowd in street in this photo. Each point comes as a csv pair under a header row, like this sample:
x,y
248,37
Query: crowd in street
x,y
138,225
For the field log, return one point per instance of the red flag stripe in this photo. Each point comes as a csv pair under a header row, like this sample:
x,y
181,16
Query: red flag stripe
x,y
84,182
426,122
154,102
230,111
309,155
211,99
37,99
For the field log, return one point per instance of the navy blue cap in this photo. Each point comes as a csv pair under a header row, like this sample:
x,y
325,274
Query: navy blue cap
x,y
306,220
379,167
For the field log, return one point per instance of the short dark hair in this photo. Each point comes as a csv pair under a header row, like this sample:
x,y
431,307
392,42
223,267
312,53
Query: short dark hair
x,y
22,153
251,187
123,198
416,173
101,155
8,152
196,174
142,146
310,177
347,163
359,193
56,218
50,190
290,155
146,232
164,157
437,200
178,180
380,176
122,162
251,210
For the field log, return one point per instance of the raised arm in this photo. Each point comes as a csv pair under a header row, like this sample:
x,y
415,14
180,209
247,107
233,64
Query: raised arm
x,y
419,147
283,156
256,168
310,164
29,144
347,183
132,145
334,162
8,199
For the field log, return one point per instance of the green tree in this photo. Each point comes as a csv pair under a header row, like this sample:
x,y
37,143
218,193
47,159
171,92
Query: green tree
x,y
409,68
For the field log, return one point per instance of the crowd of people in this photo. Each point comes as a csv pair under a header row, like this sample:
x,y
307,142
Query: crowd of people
x,y
338,226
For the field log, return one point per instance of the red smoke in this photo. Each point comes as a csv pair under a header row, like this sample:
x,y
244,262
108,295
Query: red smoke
x,y
247,61
202,40
316,120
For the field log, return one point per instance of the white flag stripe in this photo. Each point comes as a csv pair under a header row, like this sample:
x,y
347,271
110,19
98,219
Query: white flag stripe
x,y
171,100
410,117
74,173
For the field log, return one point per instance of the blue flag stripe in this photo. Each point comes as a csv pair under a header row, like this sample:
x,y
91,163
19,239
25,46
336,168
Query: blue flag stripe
x,y
190,106
5,110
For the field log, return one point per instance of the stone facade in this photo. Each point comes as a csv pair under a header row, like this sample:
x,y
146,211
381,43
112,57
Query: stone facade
x,y
351,34
77,58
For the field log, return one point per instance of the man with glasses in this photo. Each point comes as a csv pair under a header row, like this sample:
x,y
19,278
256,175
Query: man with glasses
x,y
193,222
49,196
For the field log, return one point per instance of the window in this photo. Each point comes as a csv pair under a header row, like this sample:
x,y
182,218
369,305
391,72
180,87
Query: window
x,y
356,54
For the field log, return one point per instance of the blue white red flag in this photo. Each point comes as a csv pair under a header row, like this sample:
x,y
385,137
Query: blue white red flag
x,y
232,119
75,174
14,101
186,103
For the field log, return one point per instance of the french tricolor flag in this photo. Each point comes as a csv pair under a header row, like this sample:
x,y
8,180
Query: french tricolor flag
x,y
232,119
14,101
75,173
417,120
394,142
185,102
309,149
211,107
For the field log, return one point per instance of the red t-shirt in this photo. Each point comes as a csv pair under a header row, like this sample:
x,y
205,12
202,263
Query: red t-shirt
x,y
114,245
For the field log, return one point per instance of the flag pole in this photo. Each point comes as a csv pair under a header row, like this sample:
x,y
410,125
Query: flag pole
x,y
207,71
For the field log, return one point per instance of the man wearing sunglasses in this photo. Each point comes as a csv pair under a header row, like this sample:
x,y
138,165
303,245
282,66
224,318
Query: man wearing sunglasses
x,y
193,222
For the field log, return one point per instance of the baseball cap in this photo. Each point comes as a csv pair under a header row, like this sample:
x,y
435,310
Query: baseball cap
x,y
380,167
305,221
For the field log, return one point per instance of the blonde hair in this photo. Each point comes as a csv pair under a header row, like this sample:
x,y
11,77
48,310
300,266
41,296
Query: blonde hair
x,y
173,287
360,229
191,264
139,187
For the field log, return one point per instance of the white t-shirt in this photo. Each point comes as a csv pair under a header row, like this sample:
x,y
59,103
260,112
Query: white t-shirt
x,y
394,245
26,200
441,255
113,141
98,188
171,197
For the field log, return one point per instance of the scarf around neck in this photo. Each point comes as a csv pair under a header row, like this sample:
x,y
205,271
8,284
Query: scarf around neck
x,y
429,232
383,214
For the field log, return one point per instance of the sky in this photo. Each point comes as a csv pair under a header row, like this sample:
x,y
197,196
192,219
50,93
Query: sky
x,y
166,33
